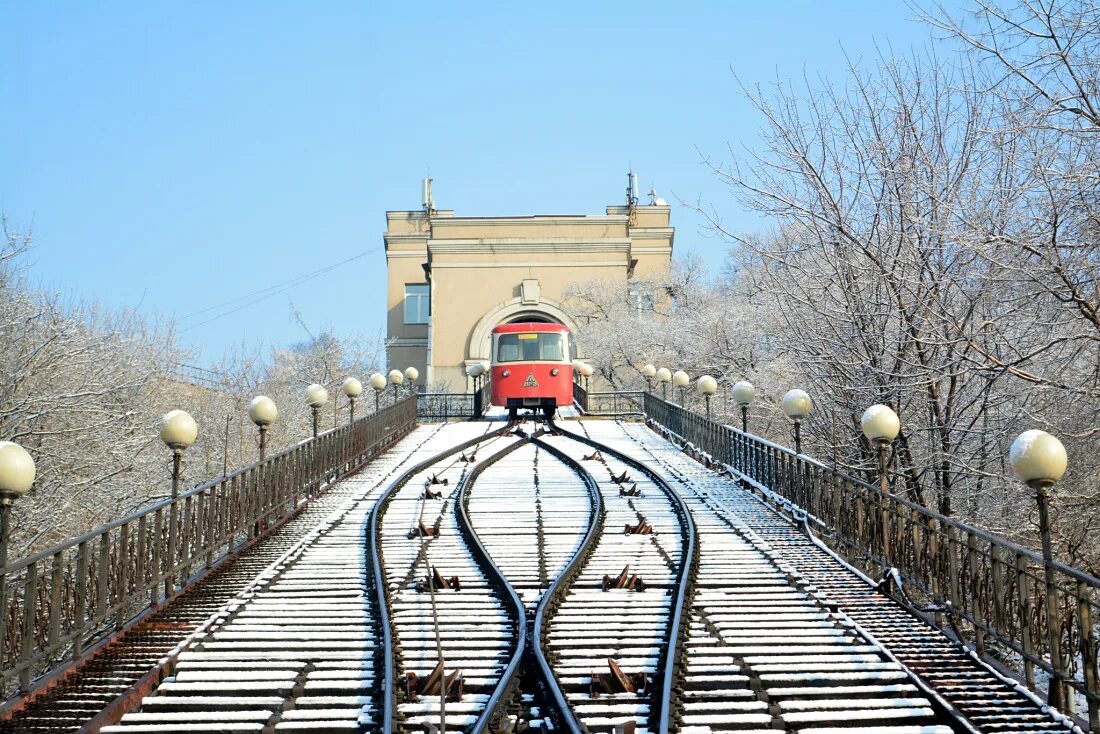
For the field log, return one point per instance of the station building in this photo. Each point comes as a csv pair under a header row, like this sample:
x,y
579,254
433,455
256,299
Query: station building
x,y
451,279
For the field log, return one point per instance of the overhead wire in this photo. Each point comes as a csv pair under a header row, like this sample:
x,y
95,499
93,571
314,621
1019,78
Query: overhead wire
x,y
264,293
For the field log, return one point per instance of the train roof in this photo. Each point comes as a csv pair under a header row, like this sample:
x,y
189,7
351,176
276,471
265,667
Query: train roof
x,y
529,326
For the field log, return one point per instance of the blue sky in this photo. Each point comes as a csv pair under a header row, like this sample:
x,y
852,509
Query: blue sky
x,y
173,156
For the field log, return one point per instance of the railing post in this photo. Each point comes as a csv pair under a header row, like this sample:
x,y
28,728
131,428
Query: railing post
x,y
26,653
953,566
934,565
122,579
80,606
157,560
1023,597
56,580
103,576
1087,634
976,592
998,568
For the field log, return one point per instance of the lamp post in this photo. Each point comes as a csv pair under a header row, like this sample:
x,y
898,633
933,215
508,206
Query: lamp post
x,y
378,382
178,430
707,386
316,396
474,372
649,372
744,393
396,378
263,412
681,380
16,479
664,376
881,426
1039,459
353,389
797,404
412,374
586,371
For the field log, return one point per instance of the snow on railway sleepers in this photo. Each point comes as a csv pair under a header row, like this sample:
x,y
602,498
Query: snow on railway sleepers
x,y
629,626
764,649
986,701
296,649
475,635
531,512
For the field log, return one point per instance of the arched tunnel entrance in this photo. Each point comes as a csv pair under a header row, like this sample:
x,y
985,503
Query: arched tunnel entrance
x,y
514,311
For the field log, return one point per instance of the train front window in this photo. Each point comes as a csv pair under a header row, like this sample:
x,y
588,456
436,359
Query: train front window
x,y
534,347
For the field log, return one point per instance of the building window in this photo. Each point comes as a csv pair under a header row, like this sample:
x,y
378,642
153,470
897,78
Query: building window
x,y
417,303
640,297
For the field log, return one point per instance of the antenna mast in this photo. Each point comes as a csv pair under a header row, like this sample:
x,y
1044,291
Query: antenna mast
x,y
426,196
631,197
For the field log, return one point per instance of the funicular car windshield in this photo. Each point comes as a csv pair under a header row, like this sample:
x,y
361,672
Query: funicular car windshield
x,y
530,347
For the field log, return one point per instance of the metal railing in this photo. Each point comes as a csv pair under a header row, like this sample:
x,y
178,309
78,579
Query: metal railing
x,y
580,397
982,587
55,606
453,405
614,403
610,403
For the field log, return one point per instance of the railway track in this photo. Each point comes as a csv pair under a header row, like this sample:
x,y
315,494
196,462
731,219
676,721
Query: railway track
x,y
575,620
545,579
971,694
612,638
293,648
447,620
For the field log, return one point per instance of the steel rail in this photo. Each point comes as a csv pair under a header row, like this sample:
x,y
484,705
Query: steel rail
x,y
496,578
561,585
379,572
686,571
938,702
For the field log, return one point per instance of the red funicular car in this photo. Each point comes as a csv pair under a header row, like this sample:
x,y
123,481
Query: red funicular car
x,y
532,367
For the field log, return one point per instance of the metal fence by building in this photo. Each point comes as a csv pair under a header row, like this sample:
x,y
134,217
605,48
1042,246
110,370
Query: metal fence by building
x,y
56,605
964,579
454,406
619,403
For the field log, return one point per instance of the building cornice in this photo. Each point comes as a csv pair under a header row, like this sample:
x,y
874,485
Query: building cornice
x,y
651,233
524,245
552,219
533,264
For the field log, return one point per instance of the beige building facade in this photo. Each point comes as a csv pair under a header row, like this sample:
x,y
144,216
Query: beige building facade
x,y
452,279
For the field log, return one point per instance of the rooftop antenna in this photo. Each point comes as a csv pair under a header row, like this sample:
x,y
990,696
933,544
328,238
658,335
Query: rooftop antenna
x,y
631,189
426,195
631,197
